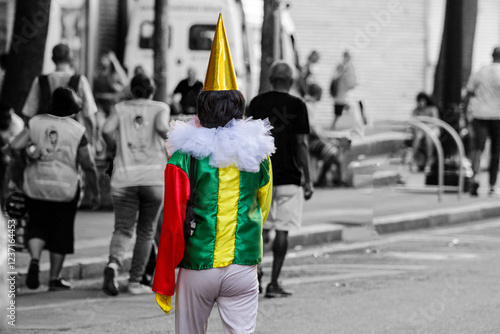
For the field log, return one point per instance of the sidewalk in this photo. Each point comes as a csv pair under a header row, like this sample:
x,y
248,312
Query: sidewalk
x,y
333,214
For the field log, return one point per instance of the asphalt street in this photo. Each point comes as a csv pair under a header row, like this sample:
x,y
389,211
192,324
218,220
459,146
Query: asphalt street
x,y
429,281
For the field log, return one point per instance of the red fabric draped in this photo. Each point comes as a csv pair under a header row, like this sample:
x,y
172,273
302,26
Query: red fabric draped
x,y
171,248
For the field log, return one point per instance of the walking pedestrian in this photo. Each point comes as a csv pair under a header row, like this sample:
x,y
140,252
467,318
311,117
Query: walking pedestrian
x,y
288,116
483,92
44,85
136,181
56,146
221,170
342,83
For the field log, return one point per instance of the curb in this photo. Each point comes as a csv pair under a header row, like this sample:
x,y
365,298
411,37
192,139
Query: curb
x,y
434,218
93,267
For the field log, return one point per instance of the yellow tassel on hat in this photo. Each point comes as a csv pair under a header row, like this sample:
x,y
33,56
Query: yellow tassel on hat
x,y
220,71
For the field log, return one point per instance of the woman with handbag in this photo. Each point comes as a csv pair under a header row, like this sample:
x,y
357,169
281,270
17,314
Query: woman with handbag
x,y
56,145
218,184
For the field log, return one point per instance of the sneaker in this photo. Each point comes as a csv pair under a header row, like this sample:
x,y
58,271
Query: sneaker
x,y
492,192
32,280
110,284
275,290
59,285
473,189
136,288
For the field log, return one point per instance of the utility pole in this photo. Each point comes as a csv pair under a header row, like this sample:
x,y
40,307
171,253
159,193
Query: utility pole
x,y
269,42
161,36
27,48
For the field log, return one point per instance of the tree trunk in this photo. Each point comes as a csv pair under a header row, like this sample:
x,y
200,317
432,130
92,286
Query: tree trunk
x,y
160,50
460,27
27,49
268,43
455,62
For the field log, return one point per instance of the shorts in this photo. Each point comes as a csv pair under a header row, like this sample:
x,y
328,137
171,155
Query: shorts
x,y
286,208
339,109
53,222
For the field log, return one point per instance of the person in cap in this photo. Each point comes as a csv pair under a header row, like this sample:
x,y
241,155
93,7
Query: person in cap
x,y
224,159
291,179
483,92
38,99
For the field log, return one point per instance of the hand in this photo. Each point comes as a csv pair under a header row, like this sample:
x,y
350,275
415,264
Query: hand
x,y
308,190
164,302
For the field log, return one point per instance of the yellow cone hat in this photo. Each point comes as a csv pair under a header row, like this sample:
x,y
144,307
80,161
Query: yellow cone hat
x,y
220,71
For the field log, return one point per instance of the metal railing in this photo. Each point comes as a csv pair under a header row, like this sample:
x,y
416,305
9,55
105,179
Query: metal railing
x,y
420,123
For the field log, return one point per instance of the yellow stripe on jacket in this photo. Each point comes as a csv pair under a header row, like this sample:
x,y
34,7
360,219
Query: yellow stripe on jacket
x,y
265,195
227,216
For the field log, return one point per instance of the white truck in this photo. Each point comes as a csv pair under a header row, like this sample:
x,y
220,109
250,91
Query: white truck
x,y
191,30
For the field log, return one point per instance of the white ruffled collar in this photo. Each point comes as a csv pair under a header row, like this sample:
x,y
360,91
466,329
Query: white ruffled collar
x,y
241,143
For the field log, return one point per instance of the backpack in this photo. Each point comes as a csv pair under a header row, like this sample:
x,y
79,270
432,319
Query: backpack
x,y
46,94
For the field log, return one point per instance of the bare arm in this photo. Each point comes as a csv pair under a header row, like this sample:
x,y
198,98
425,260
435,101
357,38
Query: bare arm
x,y
161,122
302,156
21,140
109,128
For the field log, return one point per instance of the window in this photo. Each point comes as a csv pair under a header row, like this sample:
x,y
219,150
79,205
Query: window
x,y
146,35
201,37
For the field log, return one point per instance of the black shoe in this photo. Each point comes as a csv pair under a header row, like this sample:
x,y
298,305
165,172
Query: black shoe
x,y
473,189
32,280
275,290
110,285
59,285
147,280
260,273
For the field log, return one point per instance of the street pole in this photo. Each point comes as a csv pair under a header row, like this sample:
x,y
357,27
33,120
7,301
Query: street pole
x,y
160,50
269,43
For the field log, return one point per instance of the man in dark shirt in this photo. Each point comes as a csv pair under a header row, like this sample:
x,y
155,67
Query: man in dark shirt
x,y
288,116
189,89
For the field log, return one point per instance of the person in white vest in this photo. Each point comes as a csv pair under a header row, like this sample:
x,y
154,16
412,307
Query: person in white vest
x,y
56,145
138,128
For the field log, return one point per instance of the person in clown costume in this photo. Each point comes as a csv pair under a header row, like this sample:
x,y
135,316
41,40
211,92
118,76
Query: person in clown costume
x,y
231,197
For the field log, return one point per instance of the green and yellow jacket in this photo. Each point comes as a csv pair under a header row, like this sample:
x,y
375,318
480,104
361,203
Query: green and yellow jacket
x,y
231,198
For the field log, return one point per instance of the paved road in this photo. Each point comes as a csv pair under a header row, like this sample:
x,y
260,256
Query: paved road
x,y
433,281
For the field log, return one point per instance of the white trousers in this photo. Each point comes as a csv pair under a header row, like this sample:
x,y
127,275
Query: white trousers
x,y
235,289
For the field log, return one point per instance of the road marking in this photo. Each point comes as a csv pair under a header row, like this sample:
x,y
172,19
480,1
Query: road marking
x,y
448,238
493,223
431,256
350,267
329,278
80,302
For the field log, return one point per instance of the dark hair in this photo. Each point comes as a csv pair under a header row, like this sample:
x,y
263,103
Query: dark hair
x,y
315,91
142,86
427,98
61,53
217,108
64,102
4,57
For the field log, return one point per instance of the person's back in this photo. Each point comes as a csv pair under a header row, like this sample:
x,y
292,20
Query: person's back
x,y
141,157
288,116
486,86
53,175
43,86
